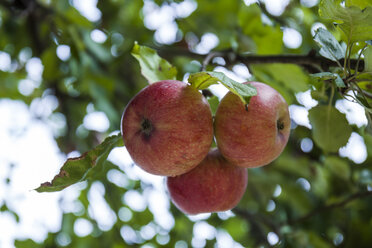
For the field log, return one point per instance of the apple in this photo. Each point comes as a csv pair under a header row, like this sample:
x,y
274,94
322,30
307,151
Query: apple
x,y
214,185
253,136
167,128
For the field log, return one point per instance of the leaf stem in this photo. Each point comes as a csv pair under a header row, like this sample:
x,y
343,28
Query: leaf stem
x,y
331,97
346,56
363,92
208,59
359,56
348,59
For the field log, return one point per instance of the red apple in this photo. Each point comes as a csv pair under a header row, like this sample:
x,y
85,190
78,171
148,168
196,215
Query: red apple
x,y
255,136
214,185
167,128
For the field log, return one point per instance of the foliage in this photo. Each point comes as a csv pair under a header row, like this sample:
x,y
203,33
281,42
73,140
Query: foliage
x,y
153,67
81,168
202,80
306,198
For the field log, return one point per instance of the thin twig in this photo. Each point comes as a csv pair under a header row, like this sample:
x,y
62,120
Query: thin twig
x,y
209,58
359,56
367,94
348,59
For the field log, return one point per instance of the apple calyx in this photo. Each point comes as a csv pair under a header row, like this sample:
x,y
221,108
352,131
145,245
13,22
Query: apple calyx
x,y
146,128
279,125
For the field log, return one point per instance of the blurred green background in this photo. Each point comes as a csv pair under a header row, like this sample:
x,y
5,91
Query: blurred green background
x,y
66,66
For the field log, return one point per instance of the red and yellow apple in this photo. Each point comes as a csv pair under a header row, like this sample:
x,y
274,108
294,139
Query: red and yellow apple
x,y
254,136
167,128
214,185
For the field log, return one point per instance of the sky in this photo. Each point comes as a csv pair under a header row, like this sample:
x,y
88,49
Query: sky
x,y
27,143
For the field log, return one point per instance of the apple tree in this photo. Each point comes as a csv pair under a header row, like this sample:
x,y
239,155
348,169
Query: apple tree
x,y
316,54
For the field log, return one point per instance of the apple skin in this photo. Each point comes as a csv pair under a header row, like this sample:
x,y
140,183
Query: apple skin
x,y
256,136
167,128
214,185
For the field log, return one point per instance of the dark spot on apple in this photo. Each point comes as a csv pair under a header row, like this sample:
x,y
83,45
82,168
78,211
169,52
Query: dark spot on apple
x,y
146,128
280,125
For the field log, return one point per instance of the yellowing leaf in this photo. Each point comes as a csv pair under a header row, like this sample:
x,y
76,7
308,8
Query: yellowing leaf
x,y
360,3
153,67
201,80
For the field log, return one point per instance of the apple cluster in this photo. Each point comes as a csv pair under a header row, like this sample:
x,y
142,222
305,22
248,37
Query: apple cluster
x,y
168,130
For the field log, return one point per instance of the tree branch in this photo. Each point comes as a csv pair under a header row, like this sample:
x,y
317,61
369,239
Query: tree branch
x,y
310,62
355,196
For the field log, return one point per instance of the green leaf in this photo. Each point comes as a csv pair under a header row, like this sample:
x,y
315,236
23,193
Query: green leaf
x,y
72,15
4,208
320,183
368,59
317,240
295,197
268,39
329,75
363,176
75,36
202,80
368,128
213,103
51,64
78,169
153,67
338,167
354,22
244,91
236,227
292,76
98,50
330,128
329,46
360,3
26,243
319,95
363,101
339,82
